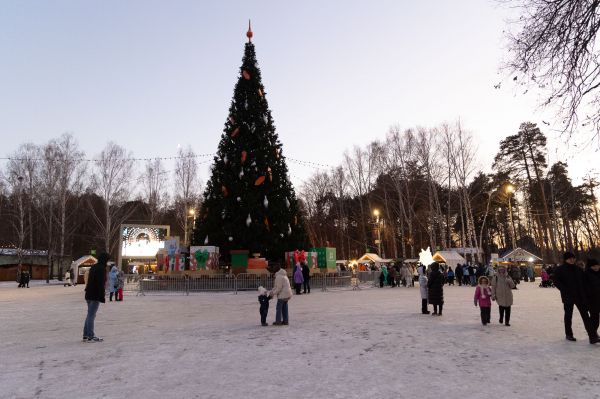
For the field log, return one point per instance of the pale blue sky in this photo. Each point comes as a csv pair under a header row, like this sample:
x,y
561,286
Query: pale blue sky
x,y
150,75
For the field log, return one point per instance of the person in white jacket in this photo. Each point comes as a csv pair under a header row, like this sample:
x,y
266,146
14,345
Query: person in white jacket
x,y
283,291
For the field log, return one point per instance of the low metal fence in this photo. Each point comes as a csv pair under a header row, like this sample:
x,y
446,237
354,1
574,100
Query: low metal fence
x,y
152,284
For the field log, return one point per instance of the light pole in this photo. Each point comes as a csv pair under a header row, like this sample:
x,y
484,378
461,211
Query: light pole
x,y
378,242
191,214
510,189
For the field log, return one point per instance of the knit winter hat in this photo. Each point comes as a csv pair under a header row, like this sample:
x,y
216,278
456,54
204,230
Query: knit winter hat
x,y
592,262
568,255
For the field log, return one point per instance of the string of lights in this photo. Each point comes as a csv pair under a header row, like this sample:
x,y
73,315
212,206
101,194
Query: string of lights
x,y
136,159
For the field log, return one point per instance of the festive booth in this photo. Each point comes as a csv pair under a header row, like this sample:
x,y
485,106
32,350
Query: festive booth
x,y
520,257
450,258
374,258
81,266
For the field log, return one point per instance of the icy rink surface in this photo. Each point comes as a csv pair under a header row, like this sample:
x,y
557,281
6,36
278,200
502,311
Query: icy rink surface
x,y
372,343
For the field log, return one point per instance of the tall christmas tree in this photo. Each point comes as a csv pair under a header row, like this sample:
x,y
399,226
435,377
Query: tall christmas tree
x,y
249,202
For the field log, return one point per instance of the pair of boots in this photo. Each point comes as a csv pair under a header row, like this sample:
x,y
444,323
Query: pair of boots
x,y
424,309
435,310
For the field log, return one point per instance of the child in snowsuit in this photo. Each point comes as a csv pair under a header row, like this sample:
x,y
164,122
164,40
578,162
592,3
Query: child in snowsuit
x,y
483,298
263,299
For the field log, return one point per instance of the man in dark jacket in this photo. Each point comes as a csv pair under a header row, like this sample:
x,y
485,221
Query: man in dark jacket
x,y
306,276
94,294
569,279
459,274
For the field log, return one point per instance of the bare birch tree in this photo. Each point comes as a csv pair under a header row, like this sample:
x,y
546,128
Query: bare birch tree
x,y
187,187
359,167
154,180
48,190
71,172
111,181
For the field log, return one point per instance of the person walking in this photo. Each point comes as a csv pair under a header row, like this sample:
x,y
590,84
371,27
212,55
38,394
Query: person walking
x,y
306,277
592,280
473,275
435,289
450,275
466,279
67,279
502,286
530,273
569,279
298,278
483,294
283,291
94,295
408,276
112,283
120,286
423,288
392,276
459,274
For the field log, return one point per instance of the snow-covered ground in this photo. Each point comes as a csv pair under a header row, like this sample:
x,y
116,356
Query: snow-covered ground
x,y
372,343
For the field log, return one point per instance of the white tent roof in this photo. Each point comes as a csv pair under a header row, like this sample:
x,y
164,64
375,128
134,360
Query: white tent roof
x,y
520,255
415,260
370,257
84,259
450,257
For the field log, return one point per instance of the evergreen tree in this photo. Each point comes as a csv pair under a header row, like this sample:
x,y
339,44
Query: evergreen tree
x,y
249,202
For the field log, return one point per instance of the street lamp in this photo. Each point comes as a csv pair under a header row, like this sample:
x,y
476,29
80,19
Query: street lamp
x,y
378,242
510,190
191,214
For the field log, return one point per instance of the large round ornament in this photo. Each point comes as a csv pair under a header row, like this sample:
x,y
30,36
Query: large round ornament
x,y
246,74
259,181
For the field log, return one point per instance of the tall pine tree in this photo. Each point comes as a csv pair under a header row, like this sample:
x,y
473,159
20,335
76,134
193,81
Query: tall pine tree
x,y
249,202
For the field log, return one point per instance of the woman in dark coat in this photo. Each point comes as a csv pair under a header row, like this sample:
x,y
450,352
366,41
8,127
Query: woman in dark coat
x,y
435,289
592,291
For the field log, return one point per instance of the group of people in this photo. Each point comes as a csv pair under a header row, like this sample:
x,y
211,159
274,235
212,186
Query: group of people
x,y
396,275
283,291
578,288
581,289
116,283
23,279
95,292
302,278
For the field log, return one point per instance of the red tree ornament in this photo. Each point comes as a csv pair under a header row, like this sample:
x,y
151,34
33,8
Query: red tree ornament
x,y
235,132
244,156
266,221
224,190
231,120
259,181
246,74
